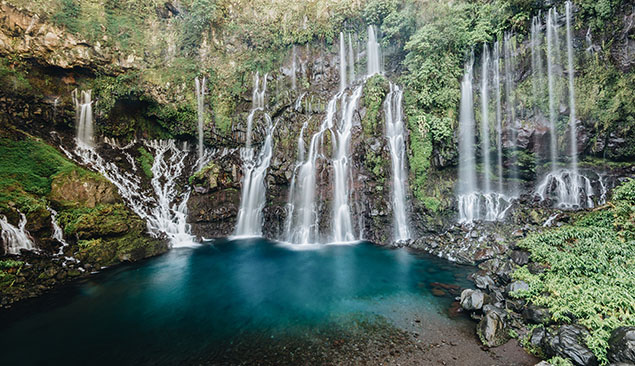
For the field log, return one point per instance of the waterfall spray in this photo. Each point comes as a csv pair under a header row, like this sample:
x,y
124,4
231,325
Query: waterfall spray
x,y
351,60
373,53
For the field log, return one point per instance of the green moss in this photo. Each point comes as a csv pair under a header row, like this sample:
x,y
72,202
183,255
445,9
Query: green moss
x,y
590,270
375,90
377,165
145,160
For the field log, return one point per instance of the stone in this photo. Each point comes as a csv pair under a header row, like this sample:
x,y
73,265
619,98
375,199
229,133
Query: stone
x,y
472,299
517,286
483,281
492,329
536,315
520,257
568,342
622,346
537,337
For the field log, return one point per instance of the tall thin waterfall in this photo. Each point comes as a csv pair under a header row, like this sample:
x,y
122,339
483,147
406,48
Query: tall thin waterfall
x,y
342,223
253,195
373,53
499,116
343,71
552,59
510,99
15,238
536,61
467,199
351,60
294,68
487,187
58,233
395,133
572,116
257,104
303,221
200,99
84,116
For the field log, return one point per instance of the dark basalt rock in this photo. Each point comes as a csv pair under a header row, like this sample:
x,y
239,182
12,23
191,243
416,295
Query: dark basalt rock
x,y
622,346
492,329
472,299
568,341
520,257
517,286
536,315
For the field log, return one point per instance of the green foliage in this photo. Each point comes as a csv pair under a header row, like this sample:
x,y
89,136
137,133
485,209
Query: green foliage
x,y
375,90
200,16
10,263
590,270
376,10
68,16
377,165
559,361
145,159
12,77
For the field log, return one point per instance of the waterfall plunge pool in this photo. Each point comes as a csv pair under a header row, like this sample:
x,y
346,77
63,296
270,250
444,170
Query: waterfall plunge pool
x,y
238,302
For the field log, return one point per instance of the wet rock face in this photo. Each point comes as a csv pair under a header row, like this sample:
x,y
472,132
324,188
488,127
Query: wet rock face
x,y
568,341
492,329
622,346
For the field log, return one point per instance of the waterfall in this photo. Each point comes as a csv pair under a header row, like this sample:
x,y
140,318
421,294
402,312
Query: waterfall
x,y
16,238
253,195
552,41
257,104
342,223
373,53
293,68
303,221
508,54
499,116
536,61
485,119
468,201
84,116
395,133
164,207
200,99
572,116
351,60
343,83
58,234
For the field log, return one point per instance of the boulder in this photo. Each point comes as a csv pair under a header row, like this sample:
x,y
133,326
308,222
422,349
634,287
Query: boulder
x,y
492,329
79,189
517,286
483,281
536,315
622,346
472,299
568,342
520,257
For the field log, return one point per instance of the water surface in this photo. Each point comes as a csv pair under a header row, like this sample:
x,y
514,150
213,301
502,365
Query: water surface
x,y
196,302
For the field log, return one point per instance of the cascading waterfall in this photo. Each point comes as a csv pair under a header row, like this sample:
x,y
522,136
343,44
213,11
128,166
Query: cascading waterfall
x,y
303,222
164,208
200,99
253,195
552,42
342,223
536,61
373,53
467,197
510,100
395,133
572,116
16,238
84,116
58,234
343,71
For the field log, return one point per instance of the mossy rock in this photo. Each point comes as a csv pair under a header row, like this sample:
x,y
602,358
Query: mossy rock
x,y
104,252
77,188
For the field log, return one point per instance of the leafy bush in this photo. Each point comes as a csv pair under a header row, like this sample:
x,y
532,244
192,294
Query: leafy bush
x,y
146,160
590,270
68,16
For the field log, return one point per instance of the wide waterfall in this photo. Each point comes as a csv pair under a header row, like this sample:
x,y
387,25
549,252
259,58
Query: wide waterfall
x,y
15,238
84,116
567,187
342,223
373,53
343,83
395,133
200,100
484,204
253,195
